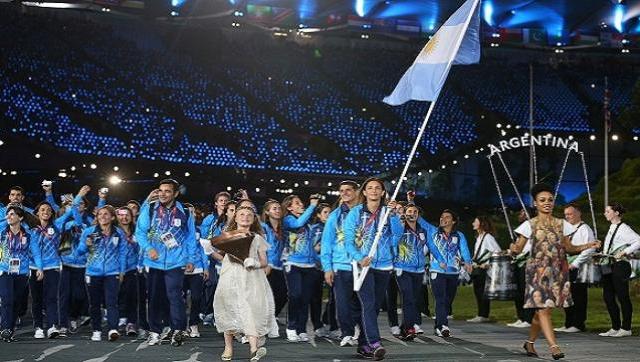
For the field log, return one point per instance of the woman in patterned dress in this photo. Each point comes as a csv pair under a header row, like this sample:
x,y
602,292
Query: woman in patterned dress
x,y
547,270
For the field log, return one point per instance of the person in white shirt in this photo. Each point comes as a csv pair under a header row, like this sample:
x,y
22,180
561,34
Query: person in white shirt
x,y
576,315
621,241
485,246
547,270
525,316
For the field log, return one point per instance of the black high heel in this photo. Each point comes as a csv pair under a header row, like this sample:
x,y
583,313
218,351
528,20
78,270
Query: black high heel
x,y
556,356
530,353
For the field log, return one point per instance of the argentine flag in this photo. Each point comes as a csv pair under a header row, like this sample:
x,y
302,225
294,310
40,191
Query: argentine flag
x,y
426,76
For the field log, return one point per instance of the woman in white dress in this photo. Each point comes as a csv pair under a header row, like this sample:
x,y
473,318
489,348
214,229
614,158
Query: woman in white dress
x,y
243,302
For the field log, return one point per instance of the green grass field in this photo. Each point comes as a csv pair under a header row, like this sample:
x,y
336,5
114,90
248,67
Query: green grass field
x,y
464,307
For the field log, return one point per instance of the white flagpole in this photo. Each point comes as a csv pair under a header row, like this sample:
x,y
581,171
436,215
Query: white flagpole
x,y
360,275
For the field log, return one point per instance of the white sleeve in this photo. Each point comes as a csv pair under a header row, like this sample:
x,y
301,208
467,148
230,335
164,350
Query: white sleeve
x,y
583,236
491,244
567,228
524,229
631,238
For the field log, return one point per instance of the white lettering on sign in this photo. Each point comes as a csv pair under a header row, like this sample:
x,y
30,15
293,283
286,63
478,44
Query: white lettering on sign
x,y
526,141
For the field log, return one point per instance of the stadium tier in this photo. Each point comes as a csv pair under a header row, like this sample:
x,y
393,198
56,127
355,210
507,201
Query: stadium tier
x,y
87,88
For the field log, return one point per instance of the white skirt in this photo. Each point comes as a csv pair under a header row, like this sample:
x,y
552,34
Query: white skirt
x,y
243,301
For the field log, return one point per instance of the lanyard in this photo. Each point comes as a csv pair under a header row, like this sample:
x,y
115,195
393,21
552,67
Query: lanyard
x,y
163,221
44,230
475,255
615,231
371,219
415,232
576,230
11,238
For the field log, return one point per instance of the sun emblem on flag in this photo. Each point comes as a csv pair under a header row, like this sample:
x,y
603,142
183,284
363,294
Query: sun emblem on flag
x,y
431,45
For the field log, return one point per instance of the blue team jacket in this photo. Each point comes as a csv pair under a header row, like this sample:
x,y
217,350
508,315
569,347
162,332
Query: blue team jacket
x,y
299,241
132,252
108,254
18,246
448,249
156,222
76,227
333,252
360,227
276,245
48,240
412,247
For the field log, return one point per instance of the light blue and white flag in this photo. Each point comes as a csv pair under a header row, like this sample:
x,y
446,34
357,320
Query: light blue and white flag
x,y
426,76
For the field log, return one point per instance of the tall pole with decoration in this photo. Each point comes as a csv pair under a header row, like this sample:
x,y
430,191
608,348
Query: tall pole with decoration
x,y
607,129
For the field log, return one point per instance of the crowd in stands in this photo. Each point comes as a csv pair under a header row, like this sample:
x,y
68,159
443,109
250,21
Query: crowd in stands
x,y
61,80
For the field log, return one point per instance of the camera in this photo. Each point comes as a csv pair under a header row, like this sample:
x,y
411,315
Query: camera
x,y
315,197
239,195
47,183
104,190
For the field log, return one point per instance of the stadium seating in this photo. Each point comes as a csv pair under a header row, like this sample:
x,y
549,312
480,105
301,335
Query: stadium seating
x,y
257,104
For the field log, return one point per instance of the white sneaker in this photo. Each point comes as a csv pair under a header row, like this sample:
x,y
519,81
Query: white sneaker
x,y
395,331
122,322
356,333
478,319
154,339
610,333
321,332
514,324
84,320
443,332
418,329
131,330
207,320
39,334
142,334
113,335
96,336
524,324
335,334
166,335
274,332
572,330
622,333
560,329
303,337
194,332
292,336
73,326
244,340
53,332
63,332
348,341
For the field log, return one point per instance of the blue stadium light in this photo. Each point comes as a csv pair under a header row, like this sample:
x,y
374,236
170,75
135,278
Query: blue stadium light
x,y
177,3
487,12
307,9
360,7
618,17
